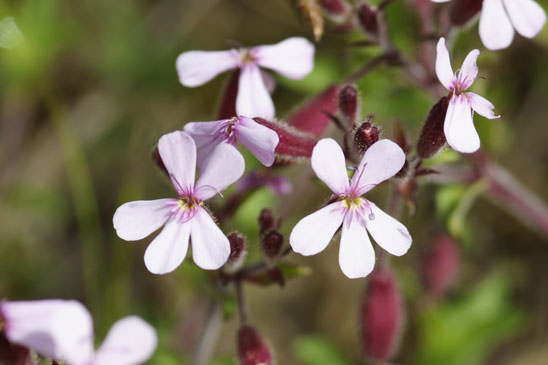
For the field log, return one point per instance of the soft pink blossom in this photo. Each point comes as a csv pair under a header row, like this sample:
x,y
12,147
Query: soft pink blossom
x,y
261,141
458,126
63,330
183,218
357,215
293,58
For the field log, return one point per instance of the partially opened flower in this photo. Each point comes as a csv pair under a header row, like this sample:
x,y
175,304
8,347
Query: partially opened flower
x,y
185,217
458,126
63,330
293,58
357,215
261,141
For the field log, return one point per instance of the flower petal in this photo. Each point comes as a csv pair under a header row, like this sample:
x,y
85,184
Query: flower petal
x,y
469,69
443,65
195,68
495,29
381,161
356,254
482,106
253,99
168,250
206,133
313,233
458,126
527,16
55,328
130,341
178,152
261,141
329,164
389,233
293,57
222,167
136,220
210,247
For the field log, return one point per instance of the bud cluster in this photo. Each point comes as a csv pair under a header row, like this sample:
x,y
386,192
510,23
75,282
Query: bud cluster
x,y
272,241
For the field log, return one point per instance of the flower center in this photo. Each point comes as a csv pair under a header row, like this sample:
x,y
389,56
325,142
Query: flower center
x,y
226,132
247,56
357,208
186,208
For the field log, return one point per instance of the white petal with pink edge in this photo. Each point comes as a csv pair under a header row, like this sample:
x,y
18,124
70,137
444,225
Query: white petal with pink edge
x,y
444,71
168,250
527,16
356,254
459,127
261,141
195,68
482,106
293,57
136,220
253,99
210,247
178,152
388,232
329,164
496,31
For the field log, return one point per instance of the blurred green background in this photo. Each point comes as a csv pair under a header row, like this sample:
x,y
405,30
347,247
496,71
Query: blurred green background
x,y
87,95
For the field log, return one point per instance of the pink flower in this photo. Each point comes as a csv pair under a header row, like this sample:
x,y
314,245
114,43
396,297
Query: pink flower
x,y
499,18
257,138
357,215
293,58
185,217
63,330
458,126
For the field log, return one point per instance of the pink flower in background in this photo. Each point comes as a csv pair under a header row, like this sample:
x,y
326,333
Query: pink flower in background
x,y
357,215
458,126
63,330
183,218
293,58
499,18
261,141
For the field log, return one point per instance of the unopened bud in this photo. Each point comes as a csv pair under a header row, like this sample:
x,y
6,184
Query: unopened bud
x,y
271,245
227,108
365,136
381,315
440,264
348,103
464,10
292,142
368,19
313,116
266,221
432,137
237,252
13,354
403,171
335,7
252,350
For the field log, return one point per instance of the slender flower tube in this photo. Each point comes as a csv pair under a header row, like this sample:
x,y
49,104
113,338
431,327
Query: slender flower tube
x,y
357,215
458,126
261,141
293,58
63,330
183,218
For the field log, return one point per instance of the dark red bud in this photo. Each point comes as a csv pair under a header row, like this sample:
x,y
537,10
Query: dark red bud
x,y
312,117
227,108
464,10
368,19
348,103
266,221
432,137
403,171
272,244
252,350
237,251
13,354
365,136
440,264
335,7
158,160
399,136
381,315
293,142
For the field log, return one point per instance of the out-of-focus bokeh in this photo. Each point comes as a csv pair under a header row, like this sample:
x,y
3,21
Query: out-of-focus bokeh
x,y
88,92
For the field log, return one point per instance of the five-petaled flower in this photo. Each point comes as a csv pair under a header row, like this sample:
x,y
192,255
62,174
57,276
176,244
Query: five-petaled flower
x,y
499,18
257,138
357,215
458,126
184,218
293,58
63,330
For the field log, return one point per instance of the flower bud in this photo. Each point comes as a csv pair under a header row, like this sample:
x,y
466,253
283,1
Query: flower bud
x,y
334,7
313,117
381,315
368,19
464,10
266,221
348,103
292,142
440,264
252,350
365,136
237,252
13,354
227,108
432,137
271,245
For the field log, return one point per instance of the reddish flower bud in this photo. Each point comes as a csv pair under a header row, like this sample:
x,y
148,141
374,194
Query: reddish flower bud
x,y
432,137
381,315
404,170
13,354
227,108
252,350
313,116
464,10
440,264
368,19
266,221
365,136
348,103
271,245
293,142
237,252
335,7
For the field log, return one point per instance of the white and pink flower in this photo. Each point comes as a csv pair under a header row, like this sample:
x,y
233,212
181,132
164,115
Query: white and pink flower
x,y
293,58
184,218
63,330
357,215
458,126
261,141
